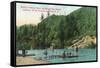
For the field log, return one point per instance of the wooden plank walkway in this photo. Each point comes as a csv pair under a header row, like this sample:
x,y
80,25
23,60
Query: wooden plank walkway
x,y
66,56
54,56
26,55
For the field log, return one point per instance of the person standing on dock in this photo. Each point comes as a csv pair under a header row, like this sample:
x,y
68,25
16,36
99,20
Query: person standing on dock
x,y
77,49
64,54
23,52
45,53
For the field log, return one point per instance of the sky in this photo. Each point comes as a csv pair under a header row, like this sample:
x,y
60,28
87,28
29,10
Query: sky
x,y
31,13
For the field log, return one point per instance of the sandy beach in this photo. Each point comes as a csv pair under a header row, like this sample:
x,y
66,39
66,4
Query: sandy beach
x,y
28,60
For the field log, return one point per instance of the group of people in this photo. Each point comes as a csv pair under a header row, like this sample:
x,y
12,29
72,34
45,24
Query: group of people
x,y
64,54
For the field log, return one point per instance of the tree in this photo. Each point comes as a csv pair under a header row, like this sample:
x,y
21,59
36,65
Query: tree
x,y
42,16
48,14
61,33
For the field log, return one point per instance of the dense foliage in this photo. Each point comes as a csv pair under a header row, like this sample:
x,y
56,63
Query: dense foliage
x,y
57,31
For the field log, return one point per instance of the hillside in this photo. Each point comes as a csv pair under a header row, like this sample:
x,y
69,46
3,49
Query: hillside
x,y
59,31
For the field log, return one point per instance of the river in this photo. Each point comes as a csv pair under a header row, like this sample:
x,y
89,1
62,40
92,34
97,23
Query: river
x,y
84,55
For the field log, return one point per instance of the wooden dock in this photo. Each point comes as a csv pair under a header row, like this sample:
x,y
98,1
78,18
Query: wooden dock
x,y
26,55
53,56
66,56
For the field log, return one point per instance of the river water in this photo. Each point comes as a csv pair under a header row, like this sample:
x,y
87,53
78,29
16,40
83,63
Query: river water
x,y
84,55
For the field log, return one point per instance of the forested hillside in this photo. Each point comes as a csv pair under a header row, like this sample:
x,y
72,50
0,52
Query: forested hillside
x,y
59,31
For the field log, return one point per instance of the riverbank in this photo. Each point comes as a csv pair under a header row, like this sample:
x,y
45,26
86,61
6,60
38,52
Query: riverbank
x,y
28,60
88,41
